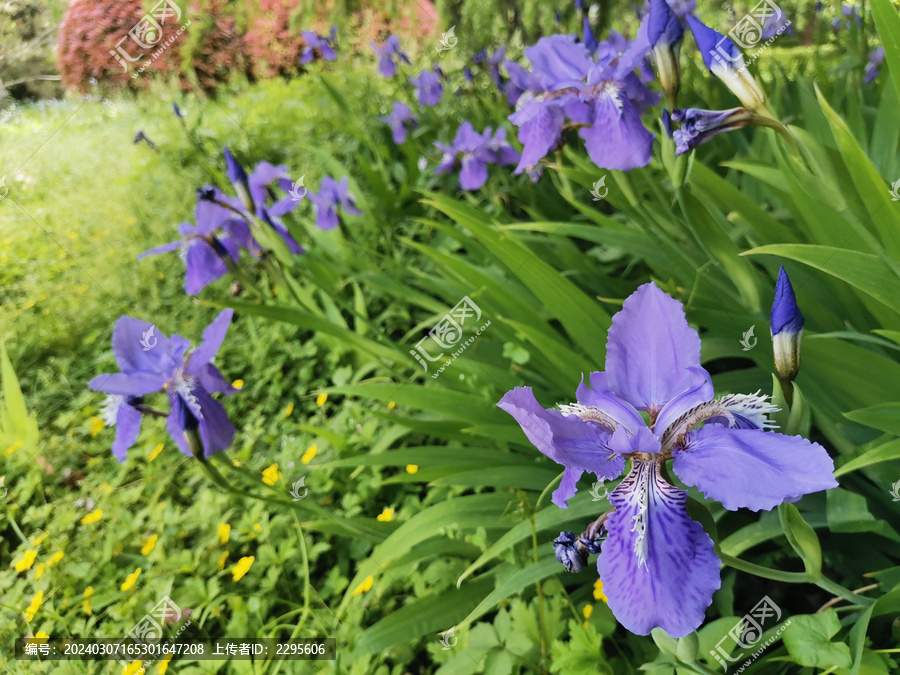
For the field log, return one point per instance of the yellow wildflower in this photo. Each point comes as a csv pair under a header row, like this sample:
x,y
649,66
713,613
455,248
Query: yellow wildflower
x,y
587,611
238,384
385,516
96,426
35,605
271,475
88,593
412,468
222,559
321,398
311,452
134,668
598,591
391,405
289,410
224,531
242,567
27,561
149,544
257,527
40,539
39,570
164,663
129,582
92,517
55,558
15,446
41,635
155,452
365,586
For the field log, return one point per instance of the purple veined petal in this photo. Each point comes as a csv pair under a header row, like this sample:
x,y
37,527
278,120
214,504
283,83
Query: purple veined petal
x,y
651,352
202,266
129,338
638,92
473,173
213,336
283,206
128,384
213,381
701,392
174,427
623,442
751,468
327,218
307,55
558,58
616,138
658,566
566,439
525,80
600,397
328,53
165,248
216,430
239,232
210,217
568,486
128,427
293,245
540,128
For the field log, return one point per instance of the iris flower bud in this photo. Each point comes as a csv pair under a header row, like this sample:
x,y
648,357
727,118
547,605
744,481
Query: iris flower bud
x,y
238,178
787,329
665,34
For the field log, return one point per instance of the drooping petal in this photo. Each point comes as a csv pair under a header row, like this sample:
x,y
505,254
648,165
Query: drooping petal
x,y
138,383
566,439
473,173
128,427
751,468
540,128
652,355
165,248
617,139
657,565
213,336
557,59
216,430
202,266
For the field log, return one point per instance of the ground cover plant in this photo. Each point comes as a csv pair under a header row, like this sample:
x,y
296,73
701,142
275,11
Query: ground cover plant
x,y
560,339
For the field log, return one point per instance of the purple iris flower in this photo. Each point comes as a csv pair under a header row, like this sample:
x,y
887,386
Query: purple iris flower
x,y
876,58
325,45
255,194
331,195
401,120
150,363
208,247
725,61
699,126
387,66
657,565
472,152
776,25
603,97
428,88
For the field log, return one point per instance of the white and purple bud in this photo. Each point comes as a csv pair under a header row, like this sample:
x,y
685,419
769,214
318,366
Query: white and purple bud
x,y
787,329
699,126
239,180
665,34
725,61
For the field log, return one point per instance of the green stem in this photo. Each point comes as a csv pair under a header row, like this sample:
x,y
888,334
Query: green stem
x,y
765,572
836,589
540,593
547,489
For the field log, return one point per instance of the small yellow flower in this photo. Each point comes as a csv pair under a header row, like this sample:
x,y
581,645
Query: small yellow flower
x,y
365,586
587,611
129,582
15,446
41,635
271,475
222,559
96,426
311,452
598,591
55,558
40,539
155,452
27,561
133,668
242,567
238,384
149,544
412,468
224,531
321,398
385,516
391,405
35,605
164,663
92,517
39,570
289,410
257,527
88,592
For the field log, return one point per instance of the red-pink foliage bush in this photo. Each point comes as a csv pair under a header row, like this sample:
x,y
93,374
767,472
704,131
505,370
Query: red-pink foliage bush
x,y
273,40
91,30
